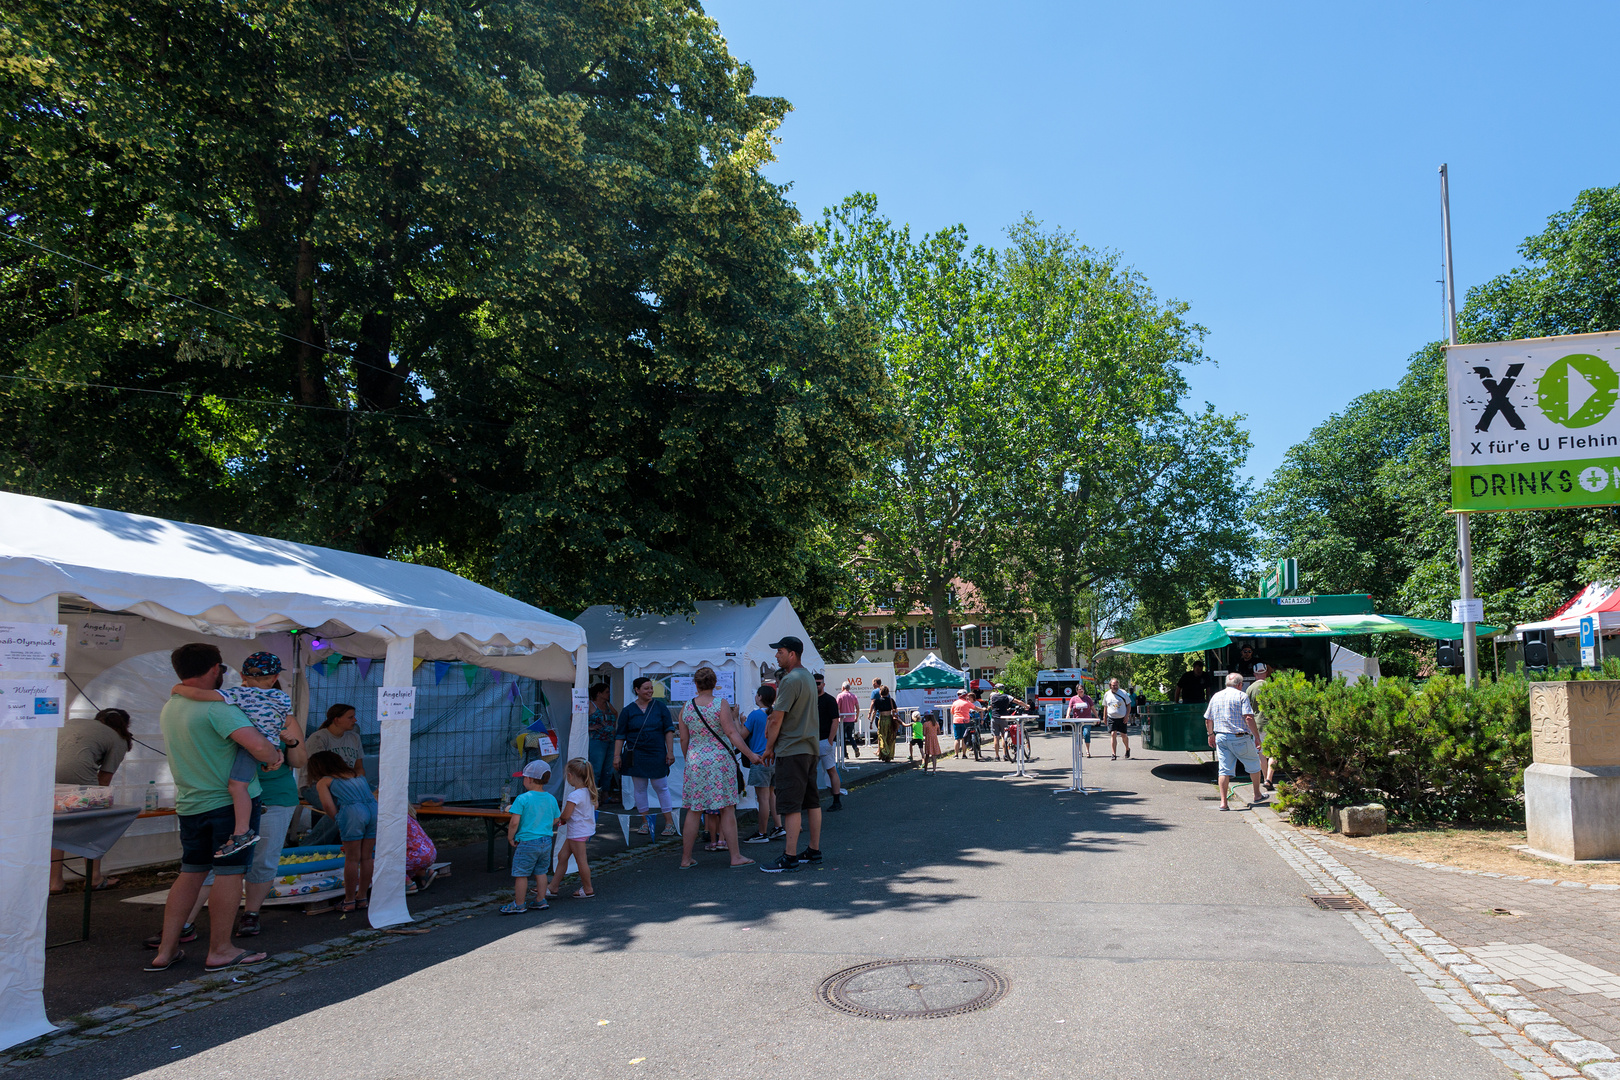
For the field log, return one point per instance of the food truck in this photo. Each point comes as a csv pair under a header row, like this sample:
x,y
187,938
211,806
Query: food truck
x,y
1291,632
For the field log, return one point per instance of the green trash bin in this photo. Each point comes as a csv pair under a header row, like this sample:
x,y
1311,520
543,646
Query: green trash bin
x,y
1168,727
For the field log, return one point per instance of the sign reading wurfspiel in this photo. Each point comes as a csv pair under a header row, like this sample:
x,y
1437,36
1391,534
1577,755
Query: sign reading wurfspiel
x,y
1534,423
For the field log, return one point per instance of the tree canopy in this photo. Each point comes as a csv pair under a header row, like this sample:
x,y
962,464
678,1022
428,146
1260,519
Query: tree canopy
x,y
501,288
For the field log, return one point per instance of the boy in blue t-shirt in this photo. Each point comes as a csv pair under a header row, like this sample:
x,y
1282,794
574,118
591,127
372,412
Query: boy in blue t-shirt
x,y
762,776
529,830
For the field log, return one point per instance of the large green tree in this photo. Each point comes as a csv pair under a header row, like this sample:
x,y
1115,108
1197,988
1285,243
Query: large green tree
x,y
922,498
1362,502
500,287
1106,491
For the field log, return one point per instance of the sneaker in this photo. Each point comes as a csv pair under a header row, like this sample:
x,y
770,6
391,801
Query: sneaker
x,y
248,924
811,856
758,838
237,843
778,832
783,862
837,803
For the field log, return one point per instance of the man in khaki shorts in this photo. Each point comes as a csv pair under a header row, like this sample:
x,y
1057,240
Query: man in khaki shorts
x,y
792,744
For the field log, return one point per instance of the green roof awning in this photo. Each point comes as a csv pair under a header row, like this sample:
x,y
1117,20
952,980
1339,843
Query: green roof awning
x,y
1214,633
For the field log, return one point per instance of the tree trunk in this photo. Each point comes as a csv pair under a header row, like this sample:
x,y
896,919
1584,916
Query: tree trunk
x,y
1065,639
939,599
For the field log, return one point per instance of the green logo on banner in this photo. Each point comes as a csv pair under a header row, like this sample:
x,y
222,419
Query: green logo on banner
x,y
1578,390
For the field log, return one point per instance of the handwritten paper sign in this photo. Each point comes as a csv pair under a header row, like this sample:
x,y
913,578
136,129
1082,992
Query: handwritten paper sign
x,y
681,687
396,704
581,703
31,703
95,634
32,646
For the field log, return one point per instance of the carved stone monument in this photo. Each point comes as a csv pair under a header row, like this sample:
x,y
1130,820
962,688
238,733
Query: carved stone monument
x,y
1572,791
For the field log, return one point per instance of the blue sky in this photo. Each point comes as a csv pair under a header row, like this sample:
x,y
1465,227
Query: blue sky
x,y
1272,165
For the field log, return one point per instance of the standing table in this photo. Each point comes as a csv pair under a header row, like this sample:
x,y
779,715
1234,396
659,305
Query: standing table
x,y
90,834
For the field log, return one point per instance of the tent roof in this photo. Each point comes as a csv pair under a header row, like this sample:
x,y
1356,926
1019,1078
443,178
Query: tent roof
x,y
1215,633
236,585
1599,601
931,673
717,632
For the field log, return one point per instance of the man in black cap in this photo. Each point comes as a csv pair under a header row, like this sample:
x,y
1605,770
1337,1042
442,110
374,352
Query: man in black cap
x,y
792,745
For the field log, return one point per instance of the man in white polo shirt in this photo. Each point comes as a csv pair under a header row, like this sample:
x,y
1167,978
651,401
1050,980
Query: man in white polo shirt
x,y
1229,719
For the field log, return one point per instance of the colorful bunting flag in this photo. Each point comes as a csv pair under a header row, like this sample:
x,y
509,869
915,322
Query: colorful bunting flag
x,y
416,662
332,663
440,667
624,826
470,673
364,664
511,692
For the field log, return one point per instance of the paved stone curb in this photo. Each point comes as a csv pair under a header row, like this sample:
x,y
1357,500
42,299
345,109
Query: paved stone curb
x,y
1596,886
1529,1041
206,989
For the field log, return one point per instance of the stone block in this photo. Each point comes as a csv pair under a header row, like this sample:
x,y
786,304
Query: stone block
x,y
1573,812
1368,819
1575,723
1582,1051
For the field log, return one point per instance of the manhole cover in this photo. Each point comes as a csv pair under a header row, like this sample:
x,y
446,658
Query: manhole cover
x,y
912,989
1338,903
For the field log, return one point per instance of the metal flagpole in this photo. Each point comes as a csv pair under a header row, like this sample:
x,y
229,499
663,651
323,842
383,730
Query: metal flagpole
x,y
1465,547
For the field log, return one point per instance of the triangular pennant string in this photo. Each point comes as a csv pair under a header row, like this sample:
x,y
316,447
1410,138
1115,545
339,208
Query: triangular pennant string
x,y
511,692
624,827
440,667
416,662
332,663
470,673
364,664
500,676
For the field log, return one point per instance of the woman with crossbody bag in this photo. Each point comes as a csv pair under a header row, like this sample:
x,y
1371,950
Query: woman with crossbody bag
x,y
712,779
644,724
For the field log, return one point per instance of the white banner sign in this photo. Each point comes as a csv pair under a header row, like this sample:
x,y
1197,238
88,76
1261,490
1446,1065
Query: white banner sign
x,y
396,704
32,646
31,703
1534,423
681,687
101,635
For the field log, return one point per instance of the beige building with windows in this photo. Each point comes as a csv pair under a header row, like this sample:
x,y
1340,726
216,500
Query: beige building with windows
x,y
906,638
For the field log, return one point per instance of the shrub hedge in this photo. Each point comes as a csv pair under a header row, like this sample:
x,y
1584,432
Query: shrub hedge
x,y
1431,751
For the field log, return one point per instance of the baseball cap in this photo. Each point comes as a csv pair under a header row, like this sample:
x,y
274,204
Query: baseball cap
x,y
262,663
537,770
961,693
790,643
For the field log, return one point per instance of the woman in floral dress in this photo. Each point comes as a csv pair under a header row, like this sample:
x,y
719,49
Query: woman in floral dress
x,y
710,784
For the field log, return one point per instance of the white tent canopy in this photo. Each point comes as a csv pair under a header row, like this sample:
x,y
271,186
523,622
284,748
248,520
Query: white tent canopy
x,y
1599,602
233,587
727,637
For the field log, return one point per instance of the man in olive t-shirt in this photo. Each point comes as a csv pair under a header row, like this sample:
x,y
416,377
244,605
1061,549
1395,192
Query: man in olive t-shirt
x,y
792,743
200,739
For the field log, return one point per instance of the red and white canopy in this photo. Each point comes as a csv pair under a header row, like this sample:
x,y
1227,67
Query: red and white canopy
x,y
1602,602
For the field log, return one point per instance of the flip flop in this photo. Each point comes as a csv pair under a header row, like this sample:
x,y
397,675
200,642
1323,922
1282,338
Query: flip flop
x,y
1224,808
581,894
179,955
107,883
347,906
683,866
241,959
745,862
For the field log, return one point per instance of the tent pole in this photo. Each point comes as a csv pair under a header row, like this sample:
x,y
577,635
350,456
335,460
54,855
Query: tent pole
x,y
27,783
393,797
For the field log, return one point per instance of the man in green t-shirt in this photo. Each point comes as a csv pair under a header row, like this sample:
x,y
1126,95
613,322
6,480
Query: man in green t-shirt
x,y
792,743
200,739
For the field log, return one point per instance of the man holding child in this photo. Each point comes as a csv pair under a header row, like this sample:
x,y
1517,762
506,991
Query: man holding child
x,y
201,739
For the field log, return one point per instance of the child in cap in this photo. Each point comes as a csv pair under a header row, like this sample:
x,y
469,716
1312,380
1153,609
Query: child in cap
x,y
260,696
529,831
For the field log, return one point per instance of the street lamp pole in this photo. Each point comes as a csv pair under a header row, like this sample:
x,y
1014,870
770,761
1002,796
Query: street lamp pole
x,y
1465,546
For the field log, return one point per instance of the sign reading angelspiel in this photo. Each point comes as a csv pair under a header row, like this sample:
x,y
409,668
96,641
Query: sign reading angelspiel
x,y
1534,424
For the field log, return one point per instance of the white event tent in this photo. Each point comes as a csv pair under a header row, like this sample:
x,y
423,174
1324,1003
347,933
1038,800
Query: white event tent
x,y
728,637
187,583
1600,603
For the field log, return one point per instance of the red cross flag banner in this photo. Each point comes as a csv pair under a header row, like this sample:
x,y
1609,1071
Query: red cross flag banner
x,y
1534,424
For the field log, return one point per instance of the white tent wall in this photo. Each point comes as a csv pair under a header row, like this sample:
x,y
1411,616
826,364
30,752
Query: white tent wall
x,y
215,584
27,787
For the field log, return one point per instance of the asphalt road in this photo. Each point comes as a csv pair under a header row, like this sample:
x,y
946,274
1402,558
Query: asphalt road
x,y
1142,933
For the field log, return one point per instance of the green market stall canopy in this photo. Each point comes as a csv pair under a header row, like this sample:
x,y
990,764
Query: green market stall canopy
x,y
1291,617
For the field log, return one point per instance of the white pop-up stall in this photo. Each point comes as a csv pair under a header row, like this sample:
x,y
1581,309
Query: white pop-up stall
x,y
734,639
132,587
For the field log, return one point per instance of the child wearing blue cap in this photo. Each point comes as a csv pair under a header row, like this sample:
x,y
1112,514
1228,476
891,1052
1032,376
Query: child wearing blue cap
x,y
260,696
